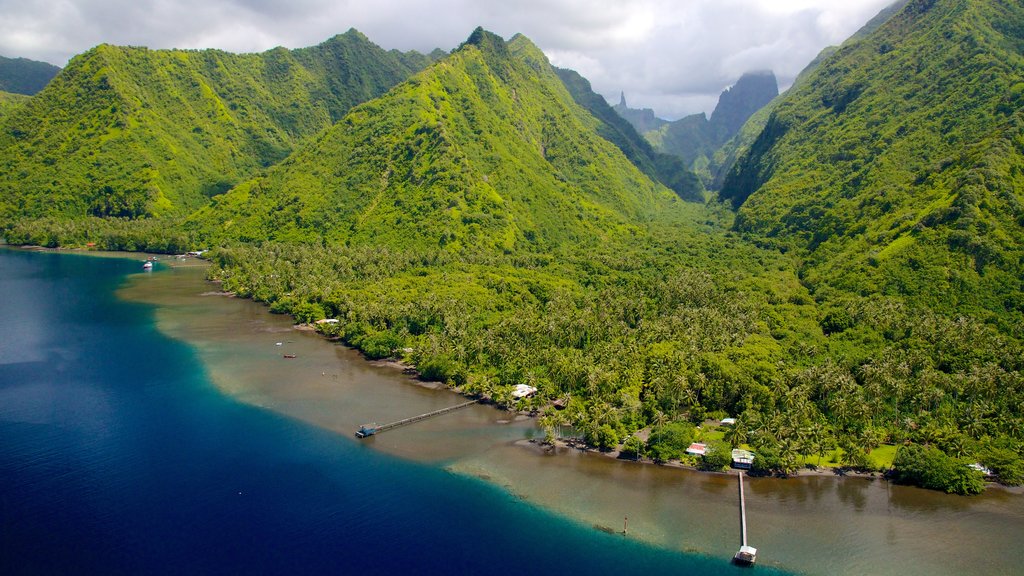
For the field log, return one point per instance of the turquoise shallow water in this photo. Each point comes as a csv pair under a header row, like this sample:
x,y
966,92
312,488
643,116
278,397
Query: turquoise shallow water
x,y
118,456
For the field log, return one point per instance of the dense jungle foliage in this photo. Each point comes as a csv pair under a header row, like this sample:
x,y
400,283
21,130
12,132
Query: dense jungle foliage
x,y
474,222
896,167
130,132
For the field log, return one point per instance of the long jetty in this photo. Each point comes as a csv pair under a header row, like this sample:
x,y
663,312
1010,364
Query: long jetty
x,y
747,554
371,429
743,512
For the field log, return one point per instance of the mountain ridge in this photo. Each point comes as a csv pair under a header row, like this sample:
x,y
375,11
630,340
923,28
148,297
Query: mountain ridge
x,y
129,131
475,141
24,76
697,138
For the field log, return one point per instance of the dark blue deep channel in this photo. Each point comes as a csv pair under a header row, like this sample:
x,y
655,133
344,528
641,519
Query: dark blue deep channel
x,y
118,457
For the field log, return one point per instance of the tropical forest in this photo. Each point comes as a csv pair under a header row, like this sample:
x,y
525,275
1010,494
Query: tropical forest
x,y
840,269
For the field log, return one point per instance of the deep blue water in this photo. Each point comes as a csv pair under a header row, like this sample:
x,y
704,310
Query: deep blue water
x,y
118,457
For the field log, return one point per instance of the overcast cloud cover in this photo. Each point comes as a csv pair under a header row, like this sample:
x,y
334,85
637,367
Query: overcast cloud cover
x,y
675,56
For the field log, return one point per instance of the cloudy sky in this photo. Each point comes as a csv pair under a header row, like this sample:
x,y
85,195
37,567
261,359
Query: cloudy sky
x,y
674,56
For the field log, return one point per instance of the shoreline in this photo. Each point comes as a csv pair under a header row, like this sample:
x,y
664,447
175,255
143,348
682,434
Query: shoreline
x,y
414,378
668,507
173,261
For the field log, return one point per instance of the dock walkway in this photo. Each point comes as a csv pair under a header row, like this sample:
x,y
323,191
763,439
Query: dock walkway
x,y
371,429
747,554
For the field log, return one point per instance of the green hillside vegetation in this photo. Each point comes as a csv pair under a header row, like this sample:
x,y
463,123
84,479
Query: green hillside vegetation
x,y
668,169
480,223
24,76
483,151
897,165
725,157
894,173
131,132
9,102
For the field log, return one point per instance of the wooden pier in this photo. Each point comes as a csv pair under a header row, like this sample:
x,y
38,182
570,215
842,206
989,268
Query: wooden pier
x,y
371,429
747,554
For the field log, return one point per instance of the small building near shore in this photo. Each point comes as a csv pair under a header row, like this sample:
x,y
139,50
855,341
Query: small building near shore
x,y
697,449
742,459
978,467
728,422
523,391
327,321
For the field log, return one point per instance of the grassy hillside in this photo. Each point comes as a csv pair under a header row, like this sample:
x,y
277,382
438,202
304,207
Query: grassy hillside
x,y
131,132
24,76
9,102
485,150
897,164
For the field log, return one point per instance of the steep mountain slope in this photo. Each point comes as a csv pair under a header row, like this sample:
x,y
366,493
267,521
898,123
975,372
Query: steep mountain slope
x,y
132,131
897,164
483,150
725,157
24,76
665,168
696,138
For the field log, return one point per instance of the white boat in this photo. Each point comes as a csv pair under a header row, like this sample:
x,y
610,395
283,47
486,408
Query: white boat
x,y
147,265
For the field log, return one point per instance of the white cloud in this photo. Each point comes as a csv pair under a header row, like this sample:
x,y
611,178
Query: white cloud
x,y
671,55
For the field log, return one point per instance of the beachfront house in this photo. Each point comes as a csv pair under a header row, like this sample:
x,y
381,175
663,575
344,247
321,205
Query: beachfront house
x,y
742,459
697,449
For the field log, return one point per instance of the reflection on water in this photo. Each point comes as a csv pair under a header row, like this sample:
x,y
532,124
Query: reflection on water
x,y
817,525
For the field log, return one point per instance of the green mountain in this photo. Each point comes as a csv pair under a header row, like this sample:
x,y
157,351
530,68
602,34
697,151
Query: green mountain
x,y
896,164
665,168
483,150
132,131
697,139
24,76
725,157
642,119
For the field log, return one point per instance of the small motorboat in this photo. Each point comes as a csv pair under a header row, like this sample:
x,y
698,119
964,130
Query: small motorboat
x,y
147,265
289,356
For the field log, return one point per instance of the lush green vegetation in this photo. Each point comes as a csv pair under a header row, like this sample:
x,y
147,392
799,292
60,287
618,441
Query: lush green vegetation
x,y
10,101
484,151
668,169
670,441
115,234
127,132
24,76
892,170
931,468
896,165
480,223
